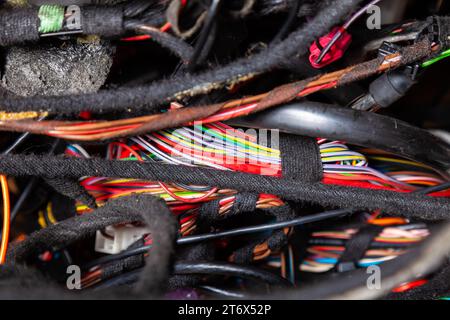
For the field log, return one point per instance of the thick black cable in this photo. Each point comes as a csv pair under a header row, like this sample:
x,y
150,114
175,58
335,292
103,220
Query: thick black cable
x,y
208,25
210,268
151,96
406,204
356,127
229,269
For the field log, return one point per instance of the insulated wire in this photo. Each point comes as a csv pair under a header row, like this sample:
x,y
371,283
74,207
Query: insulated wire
x,y
346,25
235,232
6,219
105,130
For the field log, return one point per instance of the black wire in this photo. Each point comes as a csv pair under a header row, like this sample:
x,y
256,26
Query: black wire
x,y
136,7
29,187
20,139
208,268
193,188
246,230
265,227
119,256
289,21
229,233
24,196
209,23
33,181
229,269
152,96
223,292
433,189
17,142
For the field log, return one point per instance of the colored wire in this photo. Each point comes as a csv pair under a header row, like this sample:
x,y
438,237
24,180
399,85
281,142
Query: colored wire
x,y
230,233
104,130
6,219
441,56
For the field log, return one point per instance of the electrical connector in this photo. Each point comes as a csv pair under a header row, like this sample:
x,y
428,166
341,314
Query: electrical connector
x,y
387,89
335,52
114,239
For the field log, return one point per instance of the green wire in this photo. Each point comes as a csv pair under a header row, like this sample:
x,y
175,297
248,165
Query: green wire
x,y
52,18
227,138
442,56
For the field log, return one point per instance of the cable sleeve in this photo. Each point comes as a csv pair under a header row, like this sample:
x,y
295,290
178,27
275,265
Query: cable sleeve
x,y
407,204
18,26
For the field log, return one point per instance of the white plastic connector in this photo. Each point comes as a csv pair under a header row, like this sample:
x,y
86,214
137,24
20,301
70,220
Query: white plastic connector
x,y
116,239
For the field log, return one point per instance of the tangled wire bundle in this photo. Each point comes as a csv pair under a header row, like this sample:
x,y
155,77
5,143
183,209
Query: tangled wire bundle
x,y
224,149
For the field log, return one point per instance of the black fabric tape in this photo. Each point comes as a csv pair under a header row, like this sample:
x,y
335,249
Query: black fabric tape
x,y
105,21
300,158
18,26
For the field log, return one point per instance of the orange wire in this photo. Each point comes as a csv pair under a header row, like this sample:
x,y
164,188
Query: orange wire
x,y
6,219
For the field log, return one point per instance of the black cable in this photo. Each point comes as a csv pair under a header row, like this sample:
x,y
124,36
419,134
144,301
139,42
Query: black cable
x,y
223,292
265,227
17,142
407,204
356,127
233,270
199,47
441,187
136,7
240,231
293,11
152,96
115,257
193,188
230,233
428,257
29,188
31,184
208,268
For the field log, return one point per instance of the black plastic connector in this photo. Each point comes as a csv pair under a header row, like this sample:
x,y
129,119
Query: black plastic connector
x,y
390,87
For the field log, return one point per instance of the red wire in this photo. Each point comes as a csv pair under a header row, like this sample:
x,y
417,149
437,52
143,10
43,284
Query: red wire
x,y
410,285
166,27
6,219
127,147
196,200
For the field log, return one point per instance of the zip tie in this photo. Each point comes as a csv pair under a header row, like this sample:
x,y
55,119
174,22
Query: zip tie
x,y
52,18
